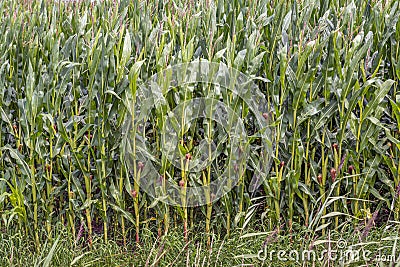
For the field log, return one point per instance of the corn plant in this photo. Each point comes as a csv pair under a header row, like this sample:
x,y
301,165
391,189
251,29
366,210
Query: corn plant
x,y
69,78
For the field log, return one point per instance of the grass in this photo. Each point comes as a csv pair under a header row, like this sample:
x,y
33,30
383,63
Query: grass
x,y
241,249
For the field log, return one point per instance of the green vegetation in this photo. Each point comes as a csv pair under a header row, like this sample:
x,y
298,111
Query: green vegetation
x,y
241,249
329,71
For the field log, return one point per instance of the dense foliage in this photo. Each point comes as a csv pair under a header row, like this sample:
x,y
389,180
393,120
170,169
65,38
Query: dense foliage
x,y
330,71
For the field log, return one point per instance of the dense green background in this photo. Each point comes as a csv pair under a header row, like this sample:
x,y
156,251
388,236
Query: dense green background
x,y
329,70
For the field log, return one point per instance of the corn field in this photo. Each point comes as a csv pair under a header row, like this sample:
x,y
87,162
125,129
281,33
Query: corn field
x,y
329,71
